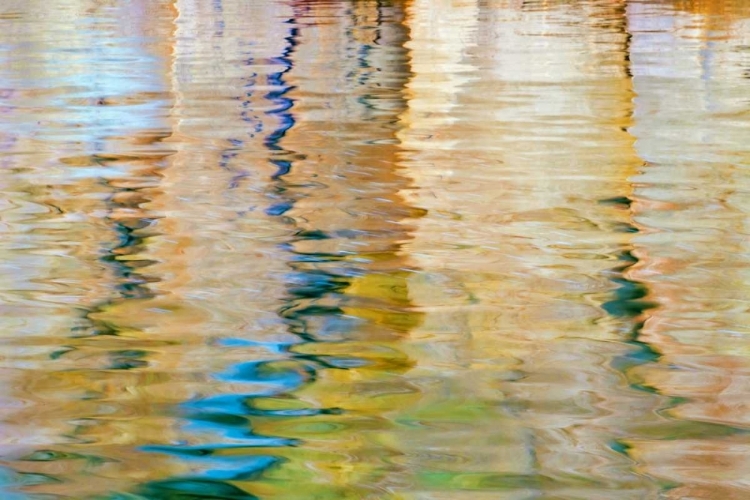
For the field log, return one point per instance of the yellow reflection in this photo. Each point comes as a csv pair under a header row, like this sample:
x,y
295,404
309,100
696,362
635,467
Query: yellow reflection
x,y
345,183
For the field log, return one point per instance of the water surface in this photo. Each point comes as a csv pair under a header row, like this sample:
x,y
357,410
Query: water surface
x,y
409,250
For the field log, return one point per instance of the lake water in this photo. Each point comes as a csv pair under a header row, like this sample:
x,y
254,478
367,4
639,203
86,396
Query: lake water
x,y
374,249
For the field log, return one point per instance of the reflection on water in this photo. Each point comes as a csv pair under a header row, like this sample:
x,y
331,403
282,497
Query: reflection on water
x,y
377,249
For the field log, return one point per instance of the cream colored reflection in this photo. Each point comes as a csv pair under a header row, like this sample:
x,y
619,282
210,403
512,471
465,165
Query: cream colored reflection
x,y
440,72
211,258
95,415
516,125
518,250
690,115
76,129
214,225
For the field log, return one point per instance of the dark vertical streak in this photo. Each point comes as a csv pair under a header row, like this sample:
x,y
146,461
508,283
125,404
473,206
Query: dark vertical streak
x,y
630,301
305,284
278,97
131,224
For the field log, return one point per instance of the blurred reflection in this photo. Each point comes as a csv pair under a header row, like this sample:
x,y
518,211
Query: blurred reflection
x,y
337,186
331,197
377,249
82,154
690,78
523,164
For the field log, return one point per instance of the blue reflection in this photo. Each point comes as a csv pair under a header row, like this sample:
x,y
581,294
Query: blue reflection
x,y
269,377
11,481
228,417
188,489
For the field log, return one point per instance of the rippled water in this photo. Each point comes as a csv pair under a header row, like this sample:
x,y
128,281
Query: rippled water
x,y
423,249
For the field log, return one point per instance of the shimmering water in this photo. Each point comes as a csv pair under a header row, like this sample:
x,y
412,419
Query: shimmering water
x,y
373,249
